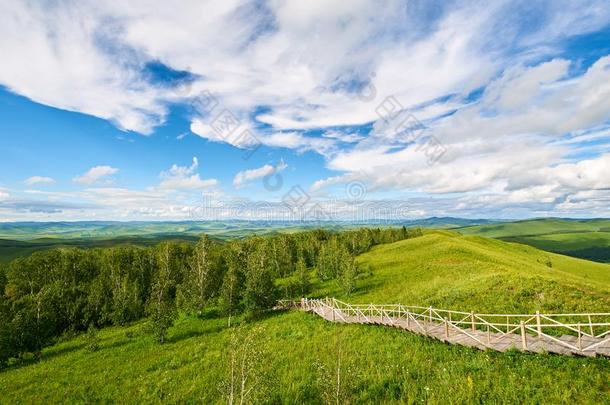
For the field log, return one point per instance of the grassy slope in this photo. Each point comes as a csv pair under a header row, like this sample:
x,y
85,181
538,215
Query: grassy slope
x,y
588,239
536,227
441,269
447,270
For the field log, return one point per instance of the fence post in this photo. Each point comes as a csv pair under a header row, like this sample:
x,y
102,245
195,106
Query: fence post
x,y
408,319
472,320
523,337
430,313
446,329
579,337
538,327
591,325
488,334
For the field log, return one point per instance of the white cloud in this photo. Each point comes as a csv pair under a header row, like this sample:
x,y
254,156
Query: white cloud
x,y
243,177
95,174
285,67
34,180
4,195
301,60
516,143
184,178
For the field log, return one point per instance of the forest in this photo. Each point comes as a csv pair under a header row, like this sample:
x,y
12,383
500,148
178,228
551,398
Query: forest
x,y
72,290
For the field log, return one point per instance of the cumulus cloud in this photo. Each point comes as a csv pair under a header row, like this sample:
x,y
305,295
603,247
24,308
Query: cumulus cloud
x,y
184,178
522,141
243,177
96,174
303,75
39,180
309,63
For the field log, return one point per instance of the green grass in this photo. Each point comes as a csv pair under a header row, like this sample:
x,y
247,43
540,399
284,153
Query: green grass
x,y
441,268
588,239
450,271
381,365
537,227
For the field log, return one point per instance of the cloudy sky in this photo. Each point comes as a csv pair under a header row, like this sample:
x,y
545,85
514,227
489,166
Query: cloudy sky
x,y
150,110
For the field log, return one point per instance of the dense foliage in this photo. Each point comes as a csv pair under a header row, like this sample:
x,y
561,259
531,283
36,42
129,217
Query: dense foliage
x,y
52,292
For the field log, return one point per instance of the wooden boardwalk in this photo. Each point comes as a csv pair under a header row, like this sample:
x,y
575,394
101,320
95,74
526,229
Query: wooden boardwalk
x,y
568,334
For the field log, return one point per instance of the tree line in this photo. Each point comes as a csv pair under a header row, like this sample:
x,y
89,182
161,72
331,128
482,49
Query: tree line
x,y
69,289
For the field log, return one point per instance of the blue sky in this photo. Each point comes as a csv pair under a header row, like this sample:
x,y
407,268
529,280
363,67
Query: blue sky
x,y
400,109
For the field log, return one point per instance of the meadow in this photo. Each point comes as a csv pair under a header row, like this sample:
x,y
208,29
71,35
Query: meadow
x,y
588,239
296,357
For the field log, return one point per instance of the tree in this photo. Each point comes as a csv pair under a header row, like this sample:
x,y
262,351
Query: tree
x,y
348,274
329,259
162,302
120,265
7,349
233,282
2,281
248,379
302,277
194,291
260,292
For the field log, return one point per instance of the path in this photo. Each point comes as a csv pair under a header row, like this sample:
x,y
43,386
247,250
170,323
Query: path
x,y
568,334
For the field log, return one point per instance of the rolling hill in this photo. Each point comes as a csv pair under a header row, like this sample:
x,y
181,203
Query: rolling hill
x,y
588,239
22,238
301,352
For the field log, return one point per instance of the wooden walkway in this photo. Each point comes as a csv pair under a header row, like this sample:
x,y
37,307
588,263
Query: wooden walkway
x,y
568,334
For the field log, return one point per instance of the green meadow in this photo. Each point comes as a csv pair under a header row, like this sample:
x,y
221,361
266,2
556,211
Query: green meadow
x,y
300,358
588,239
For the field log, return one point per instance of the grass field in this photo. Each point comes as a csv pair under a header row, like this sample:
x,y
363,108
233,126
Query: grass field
x,y
587,239
299,351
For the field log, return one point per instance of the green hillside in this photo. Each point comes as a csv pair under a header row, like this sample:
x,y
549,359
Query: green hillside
x,y
297,354
447,270
541,226
587,239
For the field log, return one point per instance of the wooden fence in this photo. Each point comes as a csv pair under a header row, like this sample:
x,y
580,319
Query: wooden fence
x,y
582,334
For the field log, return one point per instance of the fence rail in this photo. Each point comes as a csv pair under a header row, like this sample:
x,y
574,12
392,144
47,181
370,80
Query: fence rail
x,y
585,334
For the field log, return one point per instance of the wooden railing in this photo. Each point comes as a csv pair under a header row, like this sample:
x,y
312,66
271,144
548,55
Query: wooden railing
x,y
586,334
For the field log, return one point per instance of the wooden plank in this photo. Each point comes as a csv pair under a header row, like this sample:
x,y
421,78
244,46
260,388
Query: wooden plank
x,y
433,325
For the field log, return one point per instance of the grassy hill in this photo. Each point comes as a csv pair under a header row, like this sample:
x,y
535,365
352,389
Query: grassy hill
x,y
451,271
588,239
298,353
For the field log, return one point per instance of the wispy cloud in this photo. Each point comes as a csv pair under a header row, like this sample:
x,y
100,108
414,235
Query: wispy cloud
x,y
95,174
243,177
39,180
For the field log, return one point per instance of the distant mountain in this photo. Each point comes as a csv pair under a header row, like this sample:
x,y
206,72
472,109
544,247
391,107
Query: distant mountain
x,y
230,228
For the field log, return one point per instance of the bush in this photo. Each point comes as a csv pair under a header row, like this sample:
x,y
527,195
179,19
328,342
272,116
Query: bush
x,y
92,339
